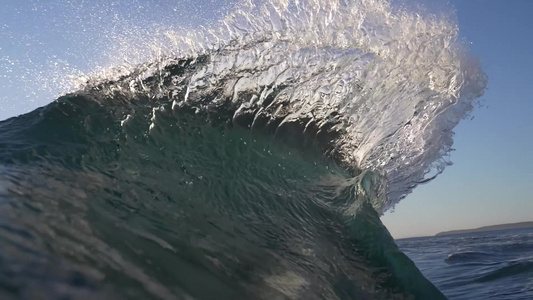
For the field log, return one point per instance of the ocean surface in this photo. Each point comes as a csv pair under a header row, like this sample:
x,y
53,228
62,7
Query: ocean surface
x,y
250,159
482,265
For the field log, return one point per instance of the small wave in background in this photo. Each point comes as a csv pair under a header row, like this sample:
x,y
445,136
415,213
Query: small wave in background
x,y
483,265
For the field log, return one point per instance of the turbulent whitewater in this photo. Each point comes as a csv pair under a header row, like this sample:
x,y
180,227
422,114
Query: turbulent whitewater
x,y
247,160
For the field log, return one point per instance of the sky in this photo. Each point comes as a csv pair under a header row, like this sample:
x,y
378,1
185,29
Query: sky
x,y
42,43
45,43
492,174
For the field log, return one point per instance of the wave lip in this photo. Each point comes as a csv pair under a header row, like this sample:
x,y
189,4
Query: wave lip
x,y
382,88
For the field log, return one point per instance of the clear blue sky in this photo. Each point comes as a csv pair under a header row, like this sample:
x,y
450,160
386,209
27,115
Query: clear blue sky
x,y
489,182
43,42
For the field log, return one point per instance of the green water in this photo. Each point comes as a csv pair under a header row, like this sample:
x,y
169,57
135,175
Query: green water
x,y
188,208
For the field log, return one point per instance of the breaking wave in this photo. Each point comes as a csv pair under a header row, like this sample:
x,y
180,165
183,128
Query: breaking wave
x,y
254,157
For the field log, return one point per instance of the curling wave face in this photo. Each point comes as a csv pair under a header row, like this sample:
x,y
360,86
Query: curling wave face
x,y
386,86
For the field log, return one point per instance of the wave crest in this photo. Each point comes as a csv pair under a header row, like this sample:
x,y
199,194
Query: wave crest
x,y
385,87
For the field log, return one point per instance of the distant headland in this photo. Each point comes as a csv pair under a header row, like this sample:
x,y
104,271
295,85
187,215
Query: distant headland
x,y
490,228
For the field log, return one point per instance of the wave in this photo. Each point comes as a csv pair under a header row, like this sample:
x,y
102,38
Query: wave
x,y
117,210
385,87
513,269
469,257
254,158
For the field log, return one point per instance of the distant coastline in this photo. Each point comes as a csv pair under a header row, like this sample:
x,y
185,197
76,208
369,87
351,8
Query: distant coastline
x,y
489,228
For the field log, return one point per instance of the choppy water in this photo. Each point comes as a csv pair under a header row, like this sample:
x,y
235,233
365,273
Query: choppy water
x,y
247,160
484,265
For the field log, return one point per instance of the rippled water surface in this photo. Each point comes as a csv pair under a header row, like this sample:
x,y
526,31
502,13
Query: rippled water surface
x,y
485,265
